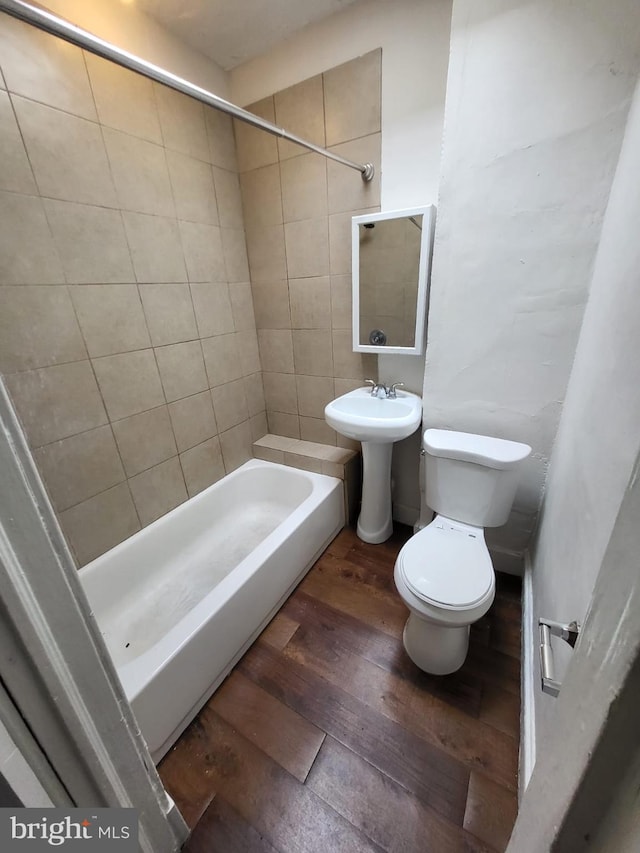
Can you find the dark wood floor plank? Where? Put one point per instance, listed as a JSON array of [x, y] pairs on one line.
[[491, 811], [290, 816], [184, 774], [335, 581], [501, 709], [222, 830], [286, 737], [463, 691], [421, 768], [382, 809], [279, 631], [465, 739]]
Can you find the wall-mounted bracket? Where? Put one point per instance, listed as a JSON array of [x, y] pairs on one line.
[[567, 631]]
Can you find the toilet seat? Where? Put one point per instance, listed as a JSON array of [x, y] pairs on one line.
[[447, 565]]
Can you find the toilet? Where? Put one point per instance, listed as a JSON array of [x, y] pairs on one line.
[[444, 573]]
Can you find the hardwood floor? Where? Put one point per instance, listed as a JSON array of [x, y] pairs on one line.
[[326, 738]]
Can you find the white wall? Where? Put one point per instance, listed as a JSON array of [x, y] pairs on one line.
[[599, 435], [536, 105], [122, 24], [414, 36], [19, 775]]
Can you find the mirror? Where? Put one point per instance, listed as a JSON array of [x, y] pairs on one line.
[[391, 255]]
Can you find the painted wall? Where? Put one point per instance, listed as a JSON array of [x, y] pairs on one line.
[[537, 100], [17, 773], [127, 335], [414, 37], [599, 435], [121, 23]]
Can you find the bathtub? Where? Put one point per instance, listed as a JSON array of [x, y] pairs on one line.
[[180, 602]]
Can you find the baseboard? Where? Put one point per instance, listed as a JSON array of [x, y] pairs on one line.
[[528, 685], [405, 514]]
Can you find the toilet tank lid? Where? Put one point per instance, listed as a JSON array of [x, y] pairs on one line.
[[468, 447]]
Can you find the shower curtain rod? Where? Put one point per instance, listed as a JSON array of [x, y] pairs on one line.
[[45, 20]]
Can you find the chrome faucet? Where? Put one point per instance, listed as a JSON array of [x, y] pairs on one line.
[[377, 387], [391, 392]]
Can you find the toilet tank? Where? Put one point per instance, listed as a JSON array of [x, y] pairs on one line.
[[472, 478]]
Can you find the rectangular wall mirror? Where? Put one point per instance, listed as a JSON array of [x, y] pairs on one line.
[[391, 255]]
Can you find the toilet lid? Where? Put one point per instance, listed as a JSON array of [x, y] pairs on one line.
[[448, 564]]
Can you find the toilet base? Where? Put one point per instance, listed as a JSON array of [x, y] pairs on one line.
[[437, 649]]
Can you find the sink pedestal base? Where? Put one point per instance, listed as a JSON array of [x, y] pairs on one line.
[[375, 524]]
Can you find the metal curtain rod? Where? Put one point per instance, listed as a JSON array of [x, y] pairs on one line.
[[50, 23]]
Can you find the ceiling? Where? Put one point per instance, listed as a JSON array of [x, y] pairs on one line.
[[233, 31]]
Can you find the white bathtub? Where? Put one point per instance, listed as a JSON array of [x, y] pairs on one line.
[[179, 602]]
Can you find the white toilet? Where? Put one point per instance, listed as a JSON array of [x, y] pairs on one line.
[[444, 573]]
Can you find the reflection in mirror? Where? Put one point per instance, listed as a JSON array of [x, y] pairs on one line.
[[390, 262]]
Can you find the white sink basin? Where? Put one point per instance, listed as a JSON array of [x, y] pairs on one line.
[[380, 419]]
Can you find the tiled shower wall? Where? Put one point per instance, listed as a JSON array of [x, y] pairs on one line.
[[127, 334], [297, 211]]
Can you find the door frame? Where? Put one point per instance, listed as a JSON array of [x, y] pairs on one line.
[[80, 736]]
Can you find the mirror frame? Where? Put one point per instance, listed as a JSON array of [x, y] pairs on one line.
[[424, 270]]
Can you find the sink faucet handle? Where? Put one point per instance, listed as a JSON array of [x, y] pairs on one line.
[[392, 389], [374, 385]]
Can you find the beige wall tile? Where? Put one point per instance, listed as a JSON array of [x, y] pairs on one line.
[[229, 199], [45, 68], [300, 109], [158, 490], [284, 424], [213, 309], [316, 429], [280, 442], [310, 303], [169, 312], [15, 171], [312, 352], [182, 122], [242, 306], [236, 446], [125, 100], [140, 173], [348, 364], [100, 523], [314, 392], [203, 254], [307, 244], [271, 305], [280, 392], [222, 143], [67, 154], [256, 148], [145, 440], [261, 197], [259, 426], [155, 246], [341, 301], [249, 352], [346, 189], [230, 404], [77, 468], [304, 187], [193, 420], [38, 327], [129, 383], [181, 370], [91, 242], [276, 350], [202, 465], [111, 318], [305, 463], [235, 254], [28, 254], [254, 391], [343, 386], [222, 359], [267, 256], [193, 189], [268, 454], [57, 402], [352, 98]]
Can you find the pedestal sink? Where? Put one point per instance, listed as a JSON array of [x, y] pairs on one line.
[[376, 421]]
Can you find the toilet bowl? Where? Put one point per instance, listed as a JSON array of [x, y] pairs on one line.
[[444, 573]]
